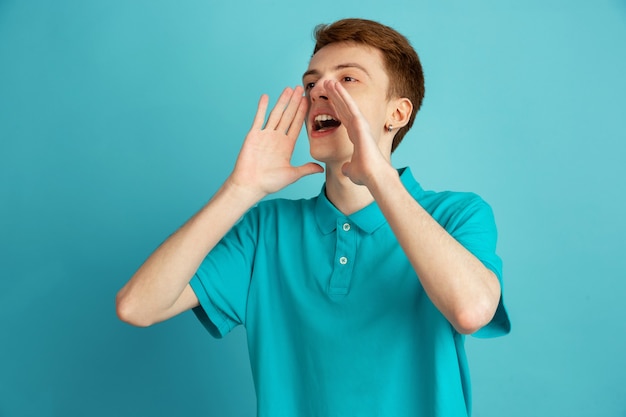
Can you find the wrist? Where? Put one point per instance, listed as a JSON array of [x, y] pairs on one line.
[[242, 193], [382, 178]]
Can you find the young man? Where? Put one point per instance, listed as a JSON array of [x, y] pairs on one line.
[[355, 302]]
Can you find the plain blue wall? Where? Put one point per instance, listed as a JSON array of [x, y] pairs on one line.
[[119, 119]]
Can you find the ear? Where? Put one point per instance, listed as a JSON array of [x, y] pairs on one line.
[[400, 109]]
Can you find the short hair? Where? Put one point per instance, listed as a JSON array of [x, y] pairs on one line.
[[406, 78]]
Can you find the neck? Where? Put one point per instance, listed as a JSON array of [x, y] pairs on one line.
[[345, 195]]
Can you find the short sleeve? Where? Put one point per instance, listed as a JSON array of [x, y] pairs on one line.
[[475, 229], [222, 281]]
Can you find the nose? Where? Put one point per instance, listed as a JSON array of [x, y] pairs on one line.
[[318, 92]]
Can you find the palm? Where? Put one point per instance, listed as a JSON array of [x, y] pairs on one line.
[[366, 155], [264, 162]]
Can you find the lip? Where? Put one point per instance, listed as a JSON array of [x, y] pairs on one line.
[[311, 122]]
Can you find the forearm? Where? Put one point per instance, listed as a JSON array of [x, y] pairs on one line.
[[160, 288], [158, 284], [461, 287]]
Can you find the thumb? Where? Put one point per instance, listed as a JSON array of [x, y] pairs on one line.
[[308, 169], [345, 169]]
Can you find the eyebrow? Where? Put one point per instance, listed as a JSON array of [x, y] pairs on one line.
[[337, 68]]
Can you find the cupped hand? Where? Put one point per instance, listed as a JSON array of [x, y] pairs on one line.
[[367, 157], [264, 162]]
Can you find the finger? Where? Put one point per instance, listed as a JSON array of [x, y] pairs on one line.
[[291, 110], [296, 125], [279, 108], [339, 102], [259, 118], [343, 101], [347, 110]]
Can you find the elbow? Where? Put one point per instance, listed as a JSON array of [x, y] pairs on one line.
[[128, 312], [469, 323], [472, 319], [477, 311]]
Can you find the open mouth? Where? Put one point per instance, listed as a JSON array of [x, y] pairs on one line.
[[323, 122]]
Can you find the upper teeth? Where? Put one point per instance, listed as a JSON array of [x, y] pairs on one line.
[[323, 117]]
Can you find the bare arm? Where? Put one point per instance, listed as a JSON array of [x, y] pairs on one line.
[[160, 288], [463, 289]]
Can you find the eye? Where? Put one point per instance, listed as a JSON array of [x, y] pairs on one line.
[[349, 79], [308, 86]]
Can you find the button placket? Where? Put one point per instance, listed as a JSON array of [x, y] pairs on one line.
[[344, 254]]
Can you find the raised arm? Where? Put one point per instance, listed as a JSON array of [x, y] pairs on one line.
[[160, 287], [463, 289]]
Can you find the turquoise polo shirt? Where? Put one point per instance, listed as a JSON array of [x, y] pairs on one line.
[[337, 321]]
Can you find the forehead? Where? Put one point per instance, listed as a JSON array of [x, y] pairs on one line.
[[337, 54]]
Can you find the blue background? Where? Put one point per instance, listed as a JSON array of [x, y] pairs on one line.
[[119, 119]]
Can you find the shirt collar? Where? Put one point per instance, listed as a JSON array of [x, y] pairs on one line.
[[369, 218]]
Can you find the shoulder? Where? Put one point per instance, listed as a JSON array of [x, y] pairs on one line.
[[281, 209], [452, 208], [285, 205], [450, 200], [440, 203], [270, 218]]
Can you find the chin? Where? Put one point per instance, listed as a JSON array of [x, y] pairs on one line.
[[330, 148], [329, 156], [318, 155]]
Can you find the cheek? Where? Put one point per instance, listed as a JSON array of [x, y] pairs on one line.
[[376, 117]]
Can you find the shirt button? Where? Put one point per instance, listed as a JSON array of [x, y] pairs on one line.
[[346, 227], [343, 260]]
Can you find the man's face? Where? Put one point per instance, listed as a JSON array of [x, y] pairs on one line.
[[360, 70]]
